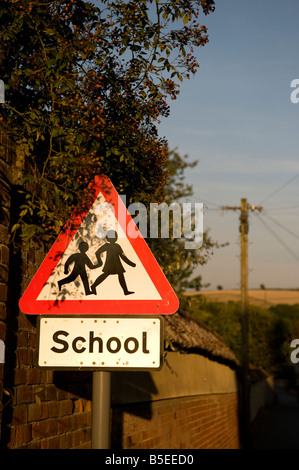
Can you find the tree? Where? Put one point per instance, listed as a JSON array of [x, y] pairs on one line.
[[85, 87], [177, 261], [197, 284]]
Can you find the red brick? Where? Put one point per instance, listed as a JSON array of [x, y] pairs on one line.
[[3, 273], [20, 376], [200, 422], [38, 411], [24, 394], [66, 407], [39, 430], [25, 356], [34, 376], [22, 435], [80, 436], [78, 406], [3, 292], [52, 427], [4, 254], [2, 331], [19, 415], [53, 408], [27, 339], [3, 311], [51, 392]]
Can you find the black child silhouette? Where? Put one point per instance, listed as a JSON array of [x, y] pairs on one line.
[[113, 265], [80, 261]]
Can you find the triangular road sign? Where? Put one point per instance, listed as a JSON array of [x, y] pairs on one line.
[[97, 266]]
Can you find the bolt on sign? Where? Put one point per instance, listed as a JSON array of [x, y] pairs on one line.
[[108, 343], [97, 266]]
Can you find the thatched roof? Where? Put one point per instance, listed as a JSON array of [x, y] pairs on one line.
[[188, 334]]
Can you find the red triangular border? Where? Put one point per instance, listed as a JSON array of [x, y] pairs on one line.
[[31, 306]]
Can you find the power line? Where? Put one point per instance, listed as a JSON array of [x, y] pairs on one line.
[[278, 238], [280, 188], [219, 206], [260, 209], [283, 227], [205, 201], [272, 209]]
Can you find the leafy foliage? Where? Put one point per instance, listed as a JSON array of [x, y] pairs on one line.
[[85, 87], [270, 331], [177, 260]]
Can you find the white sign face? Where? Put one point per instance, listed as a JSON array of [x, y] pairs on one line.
[[101, 219], [106, 343]]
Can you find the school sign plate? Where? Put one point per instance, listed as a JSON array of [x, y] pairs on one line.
[[100, 343]]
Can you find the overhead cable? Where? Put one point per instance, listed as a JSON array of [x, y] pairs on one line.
[[280, 188], [278, 238]]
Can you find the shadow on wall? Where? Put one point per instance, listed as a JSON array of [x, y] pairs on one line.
[[131, 394], [76, 383]]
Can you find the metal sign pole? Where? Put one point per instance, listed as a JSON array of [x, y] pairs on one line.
[[101, 393]]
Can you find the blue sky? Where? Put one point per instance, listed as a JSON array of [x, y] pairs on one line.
[[237, 119]]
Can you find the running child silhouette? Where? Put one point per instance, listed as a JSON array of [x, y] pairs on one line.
[[113, 265], [80, 261]]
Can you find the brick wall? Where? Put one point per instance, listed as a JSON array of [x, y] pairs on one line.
[[41, 409], [38, 409], [203, 422], [6, 161]]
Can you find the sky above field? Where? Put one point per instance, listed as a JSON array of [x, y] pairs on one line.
[[237, 119]]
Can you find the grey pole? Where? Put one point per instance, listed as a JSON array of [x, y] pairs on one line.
[[101, 390]]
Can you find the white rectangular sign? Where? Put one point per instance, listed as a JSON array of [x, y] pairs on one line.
[[105, 343]]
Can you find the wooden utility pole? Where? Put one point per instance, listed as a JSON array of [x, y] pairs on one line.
[[244, 208], [244, 320]]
